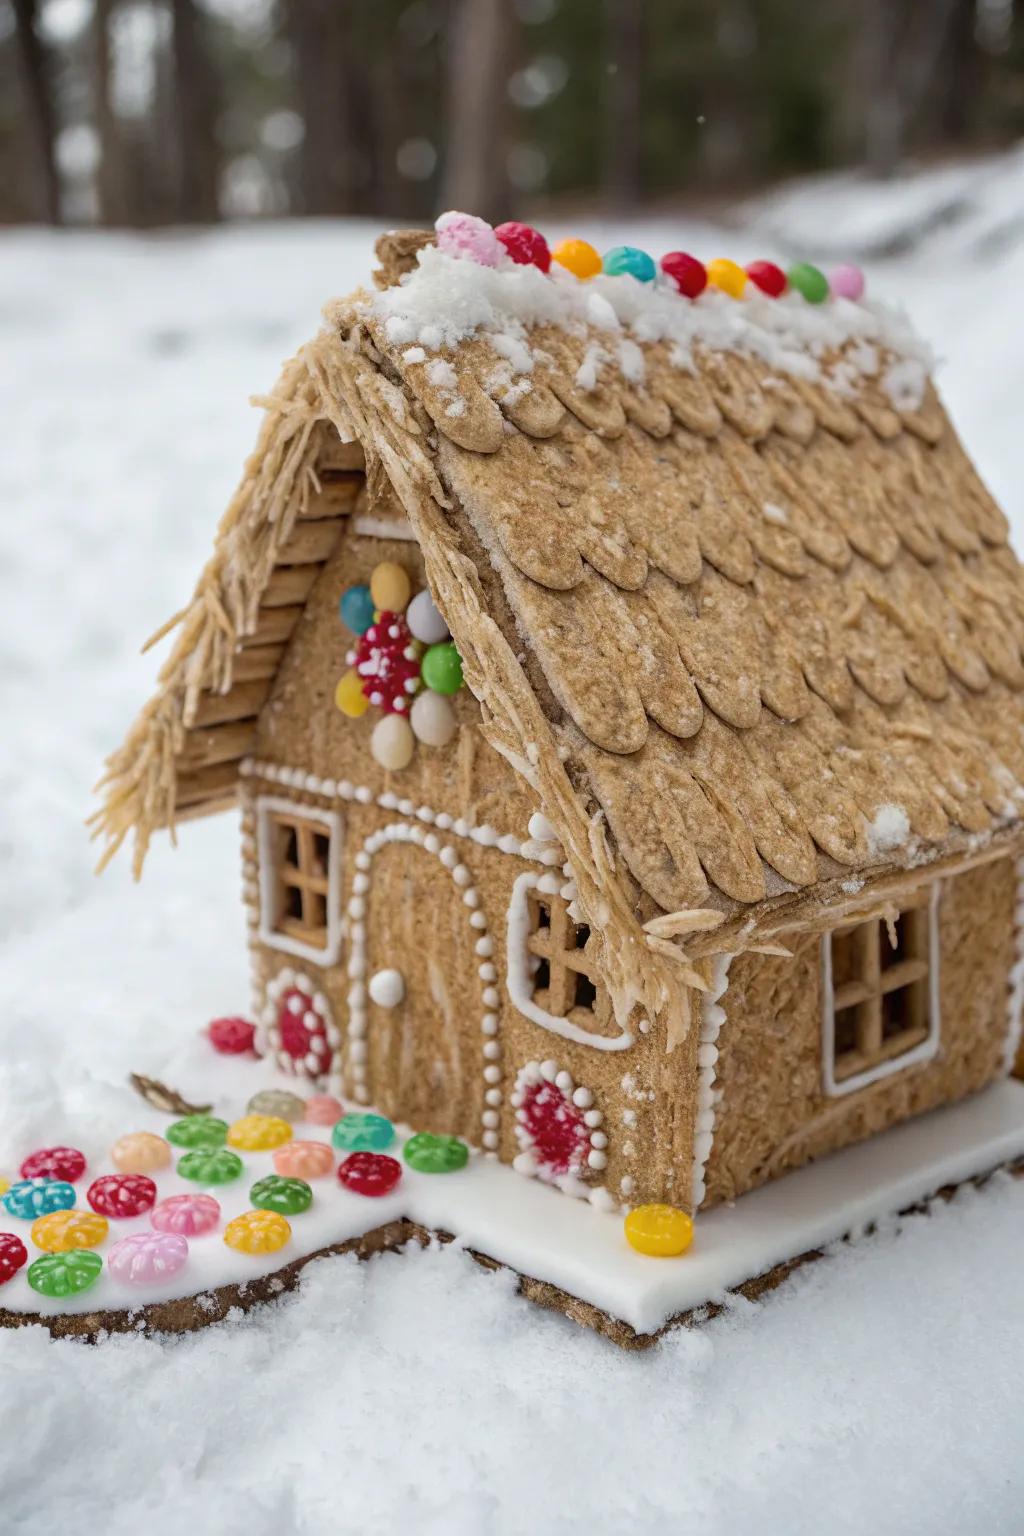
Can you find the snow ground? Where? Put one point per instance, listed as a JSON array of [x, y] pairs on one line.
[[877, 1390]]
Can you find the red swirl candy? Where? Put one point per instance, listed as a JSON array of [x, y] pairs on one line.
[[65, 1163], [122, 1194], [370, 1173], [13, 1254], [231, 1037]]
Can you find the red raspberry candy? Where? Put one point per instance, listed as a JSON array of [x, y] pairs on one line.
[[525, 245], [65, 1163], [689, 275], [231, 1037], [122, 1194], [768, 277], [387, 660], [370, 1173], [13, 1255]]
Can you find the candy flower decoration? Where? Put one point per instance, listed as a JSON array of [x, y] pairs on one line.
[[370, 1173], [356, 609], [289, 1197], [210, 1165], [231, 1037], [139, 1152], [304, 1160], [146, 1258], [278, 1102], [526, 246], [65, 1274], [257, 1232], [363, 1133], [30, 1198], [186, 1215], [198, 1131], [324, 1109], [63, 1230], [435, 1154], [122, 1195], [660, 1231], [259, 1133], [65, 1163], [13, 1254]]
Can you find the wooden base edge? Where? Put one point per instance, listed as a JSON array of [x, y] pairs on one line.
[[188, 1313]]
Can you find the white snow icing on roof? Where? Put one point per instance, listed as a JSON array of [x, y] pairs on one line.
[[447, 300]]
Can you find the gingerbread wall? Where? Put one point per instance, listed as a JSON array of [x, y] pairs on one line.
[[773, 1115], [429, 859]]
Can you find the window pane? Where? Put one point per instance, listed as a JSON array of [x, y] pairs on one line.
[[845, 952], [586, 992], [845, 1031]]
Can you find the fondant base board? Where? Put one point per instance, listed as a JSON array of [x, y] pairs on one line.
[[571, 1255]]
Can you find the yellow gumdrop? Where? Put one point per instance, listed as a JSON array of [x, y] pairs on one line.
[[349, 696], [662, 1231], [390, 587], [726, 275], [63, 1230], [259, 1133], [577, 257], [257, 1232], [5, 1185]]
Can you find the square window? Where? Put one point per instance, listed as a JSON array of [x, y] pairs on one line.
[[300, 876]]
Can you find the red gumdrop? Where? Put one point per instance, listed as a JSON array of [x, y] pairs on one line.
[[13, 1255], [65, 1163], [370, 1173], [121, 1194], [231, 1037], [386, 660], [768, 277], [525, 245], [689, 275], [556, 1128]]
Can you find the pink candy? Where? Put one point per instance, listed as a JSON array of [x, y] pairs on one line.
[[187, 1215], [304, 1160], [463, 234], [146, 1258], [324, 1109], [846, 282]]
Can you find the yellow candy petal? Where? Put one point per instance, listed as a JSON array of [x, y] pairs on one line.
[[662, 1231], [726, 275], [257, 1232], [259, 1133], [577, 257], [349, 696], [63, 1230], [390, 587]]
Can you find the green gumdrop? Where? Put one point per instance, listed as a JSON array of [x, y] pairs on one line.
[[288, 1197], [65, 1274], [435, 1154], [210, 1165], [441, 668], [809, 281], [198, 1131]]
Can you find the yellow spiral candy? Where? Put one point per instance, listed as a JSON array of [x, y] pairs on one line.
[[259, 1133], [63, 1230], [257, 1232]]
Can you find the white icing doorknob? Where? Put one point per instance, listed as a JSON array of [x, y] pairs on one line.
[[387, 988]]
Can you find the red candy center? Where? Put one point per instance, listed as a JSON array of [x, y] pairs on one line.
[[54, 1163], [556, 1128], [13, 1254], [369, 1173], [387, 660], [231, 1037], [121, 1194]]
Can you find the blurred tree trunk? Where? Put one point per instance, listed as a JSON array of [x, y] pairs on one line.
[[625, 62], [34, 60], [195, 120], [333, 87], [902, 44], [110, 175], [475, 178]]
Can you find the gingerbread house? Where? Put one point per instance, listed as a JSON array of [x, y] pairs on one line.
[[622, 695]]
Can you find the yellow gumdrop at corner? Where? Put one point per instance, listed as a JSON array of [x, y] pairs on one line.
[[349, 696], [390, 587], [663, 1231], [257, 1232], [727, 276], [259, 1133], [62, 1231]]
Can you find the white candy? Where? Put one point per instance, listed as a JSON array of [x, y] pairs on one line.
[[424, 621], [387, 988], [433, 719], [392, 742]]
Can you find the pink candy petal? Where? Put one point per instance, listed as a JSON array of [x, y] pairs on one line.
[[146, 1258], [324, 1109], [187, 1215]]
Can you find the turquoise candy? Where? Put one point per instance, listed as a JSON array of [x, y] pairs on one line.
[[363, 1133], [198, 1131], [441, 668], [356, 609], [809, 281], [210, 1165], [435, 1154], [626, 260], [30, 1198], [65, 1274], [288, 1197]]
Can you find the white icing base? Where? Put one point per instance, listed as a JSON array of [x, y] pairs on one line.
[[537, 1231]]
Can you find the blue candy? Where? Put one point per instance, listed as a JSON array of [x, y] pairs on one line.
[[627, 260], [30, 1198], [356, 609], [363, 1133]]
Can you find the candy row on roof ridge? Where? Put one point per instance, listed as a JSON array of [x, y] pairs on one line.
[[471, 238]]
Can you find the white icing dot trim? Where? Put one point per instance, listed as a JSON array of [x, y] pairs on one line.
[[526, 1163], [712, 1017], [360, 991], [519, 980], [324, 1043], [1015, 1000]]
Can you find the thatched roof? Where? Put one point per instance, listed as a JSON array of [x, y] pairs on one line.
[[773, 627]]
